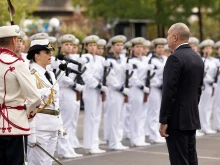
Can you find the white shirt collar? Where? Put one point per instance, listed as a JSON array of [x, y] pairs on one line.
[[181, 45]]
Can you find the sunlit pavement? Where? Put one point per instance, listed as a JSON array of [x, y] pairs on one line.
[[208, 149]]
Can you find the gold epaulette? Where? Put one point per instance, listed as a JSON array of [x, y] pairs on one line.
[[33, 71]]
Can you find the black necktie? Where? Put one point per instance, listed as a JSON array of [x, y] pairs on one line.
[[48, 77]]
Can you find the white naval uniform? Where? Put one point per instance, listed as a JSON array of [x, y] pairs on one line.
[[76, 143], [69, 109], [145, 61], [136, 101], [206, 100], [116, 101], [45, 126], [17, 79], [216, 106], [26, 61], [92, 101], [154, 99]]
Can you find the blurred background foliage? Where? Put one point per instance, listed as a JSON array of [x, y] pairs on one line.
[[101, 16]]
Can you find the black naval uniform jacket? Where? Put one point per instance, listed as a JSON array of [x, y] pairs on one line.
[[182, 86]]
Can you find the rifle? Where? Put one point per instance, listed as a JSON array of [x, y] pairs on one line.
[[127, 75], [205, 57], [105, 74], [215, 79], [147, 83], [54, 70], [79, 78]]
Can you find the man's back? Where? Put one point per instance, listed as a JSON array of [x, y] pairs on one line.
[[16, 85], [183, 77]]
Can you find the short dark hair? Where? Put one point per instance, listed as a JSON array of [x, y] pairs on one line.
[[5, 41]]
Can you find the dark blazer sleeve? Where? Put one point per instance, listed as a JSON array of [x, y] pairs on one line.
[[171, 77]]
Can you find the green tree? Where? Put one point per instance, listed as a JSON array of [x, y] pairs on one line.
[[23, 9], [165, 12]]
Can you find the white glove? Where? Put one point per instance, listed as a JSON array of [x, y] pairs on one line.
[[45, 92], [67, 80], [104, 89], [55, 65], [82, 60], [107, 63], [32, 138], [218, 64], [150, 67], [79, 87], [129, 66], [125, 91], [146, 90]]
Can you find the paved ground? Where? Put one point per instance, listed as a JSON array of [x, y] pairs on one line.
[[208, 148]]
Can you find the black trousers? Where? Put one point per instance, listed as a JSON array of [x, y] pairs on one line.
[[11, 150], [182, 147]]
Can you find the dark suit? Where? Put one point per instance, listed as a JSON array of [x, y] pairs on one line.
[[182, 82]]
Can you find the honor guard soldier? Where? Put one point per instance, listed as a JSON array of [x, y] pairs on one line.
[[126, 131], [16, 85], [69, 105], [205, 104], [45, 126], [52, 41], [74, 55], [146, 49], [38, 36], [194, 43], [145, 58], [158, 60], [167, 50], [75, 46], [92, 96], [20, 48], [108, 46], [216, 85], [116, 94], [100, 47], [136, 94], [217, 47]]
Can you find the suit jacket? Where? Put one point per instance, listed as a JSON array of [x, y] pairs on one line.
[[182, 83]]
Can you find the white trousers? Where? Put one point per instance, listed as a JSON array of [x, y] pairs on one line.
[[116, 117], [69, 109], [47, 140], [146, 120], [216, 108], [137, 116], [205, 108], [127, 131], [154, 101], [106, 118], [92, 117]]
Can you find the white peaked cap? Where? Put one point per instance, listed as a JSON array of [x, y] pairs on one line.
[[9, 31]]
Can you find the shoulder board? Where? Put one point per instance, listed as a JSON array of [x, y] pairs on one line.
[[33, 71]]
